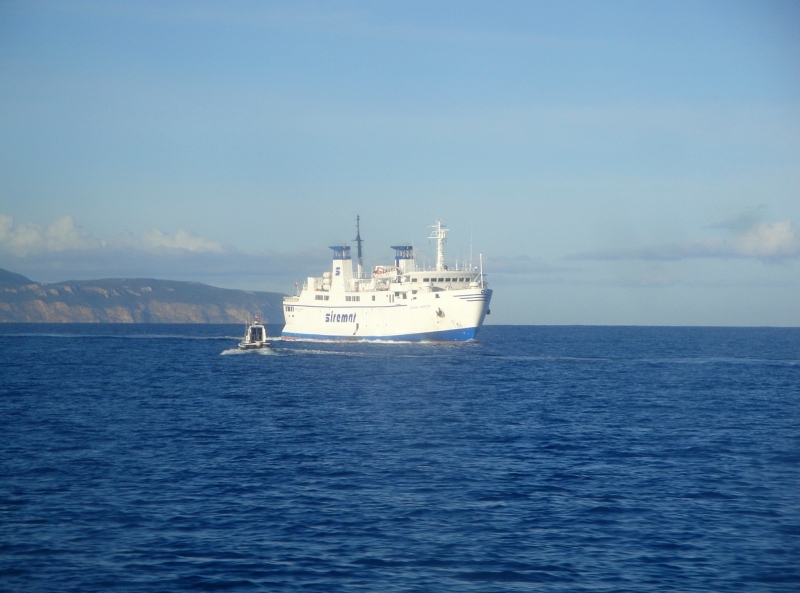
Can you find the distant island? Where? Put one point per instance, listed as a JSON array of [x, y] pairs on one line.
[[131, 300]]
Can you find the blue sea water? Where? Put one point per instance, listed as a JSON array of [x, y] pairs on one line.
[[158, 458]]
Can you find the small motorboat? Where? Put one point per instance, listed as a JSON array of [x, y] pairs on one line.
[[255, 336]]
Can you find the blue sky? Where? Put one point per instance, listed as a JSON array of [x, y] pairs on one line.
[[617, 163]]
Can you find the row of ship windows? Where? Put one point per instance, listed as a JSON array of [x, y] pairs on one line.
[[319, 297], [325, 297]]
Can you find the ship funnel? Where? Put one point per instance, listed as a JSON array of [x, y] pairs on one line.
[[404, 258], [341, 269]]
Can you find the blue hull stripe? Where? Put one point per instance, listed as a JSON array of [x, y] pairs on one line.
[[450, 335]]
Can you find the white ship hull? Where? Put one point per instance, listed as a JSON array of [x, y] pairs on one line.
[[399, 302], [449, 315]]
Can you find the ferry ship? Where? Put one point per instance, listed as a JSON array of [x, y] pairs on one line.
[[399, 302]]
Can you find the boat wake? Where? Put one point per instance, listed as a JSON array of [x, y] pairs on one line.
[[120, 336], [261, 351]]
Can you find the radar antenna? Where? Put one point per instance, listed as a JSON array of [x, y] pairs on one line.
[[358, 241]]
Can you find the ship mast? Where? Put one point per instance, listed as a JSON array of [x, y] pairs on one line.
[[439, 233], [358, 241]]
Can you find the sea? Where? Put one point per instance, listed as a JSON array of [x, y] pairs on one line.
[[536, 458]]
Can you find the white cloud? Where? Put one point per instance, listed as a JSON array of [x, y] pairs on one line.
[[24, 239], [156, 239], [762, 240], [65, 251], [768, 240], [60, 235]]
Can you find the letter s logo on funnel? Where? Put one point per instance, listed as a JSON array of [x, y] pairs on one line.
[[337, 271]]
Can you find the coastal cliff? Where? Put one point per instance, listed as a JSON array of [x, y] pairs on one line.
[[131, 300]]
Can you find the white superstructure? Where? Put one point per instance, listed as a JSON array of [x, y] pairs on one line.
[[397, 302]]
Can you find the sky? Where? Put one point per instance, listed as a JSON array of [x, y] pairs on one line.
[[632, 163]]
